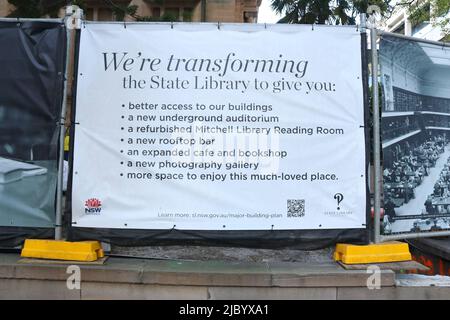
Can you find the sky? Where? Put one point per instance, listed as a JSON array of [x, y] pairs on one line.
[[266, 14]]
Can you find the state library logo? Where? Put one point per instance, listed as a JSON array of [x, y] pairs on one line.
[[92, 206]]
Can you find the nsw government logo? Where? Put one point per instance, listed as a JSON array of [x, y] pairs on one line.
[[92, 206]]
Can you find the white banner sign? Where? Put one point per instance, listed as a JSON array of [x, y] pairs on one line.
[[233, 128]]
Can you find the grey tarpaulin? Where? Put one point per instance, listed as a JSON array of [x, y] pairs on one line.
[[32, 63]]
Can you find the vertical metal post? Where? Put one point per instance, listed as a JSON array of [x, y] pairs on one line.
[[376, 131], [362, 23], [60, 181], [203, 11]]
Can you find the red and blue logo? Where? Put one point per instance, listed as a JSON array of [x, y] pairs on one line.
[[92, 206]]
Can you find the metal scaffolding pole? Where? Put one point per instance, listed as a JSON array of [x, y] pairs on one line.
[[376, 131], [72, 12]]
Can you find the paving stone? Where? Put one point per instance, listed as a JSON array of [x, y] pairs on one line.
[[22, 289], [106, 291], [238, 293], [332, 279], [395, 293]]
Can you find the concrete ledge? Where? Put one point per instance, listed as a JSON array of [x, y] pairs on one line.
[[125, 278], [19, 289], [196, 273]]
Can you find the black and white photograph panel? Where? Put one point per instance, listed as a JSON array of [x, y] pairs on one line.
[[415, 126]]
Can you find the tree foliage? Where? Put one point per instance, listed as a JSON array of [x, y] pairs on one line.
[[324, 11], [36, 8], [121, 11], [436, 12], [42, 8], [343, 12]]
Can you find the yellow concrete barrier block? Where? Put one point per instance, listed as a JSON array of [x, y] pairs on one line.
[[62, 250], [393, 251]]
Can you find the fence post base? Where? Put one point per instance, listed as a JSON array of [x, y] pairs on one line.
[[372, 253], [62, 250]]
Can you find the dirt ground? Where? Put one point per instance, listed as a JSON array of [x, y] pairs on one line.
[[199, 253]]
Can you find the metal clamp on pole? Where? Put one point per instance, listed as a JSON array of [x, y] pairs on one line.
[[73, 18], [362, 23]]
